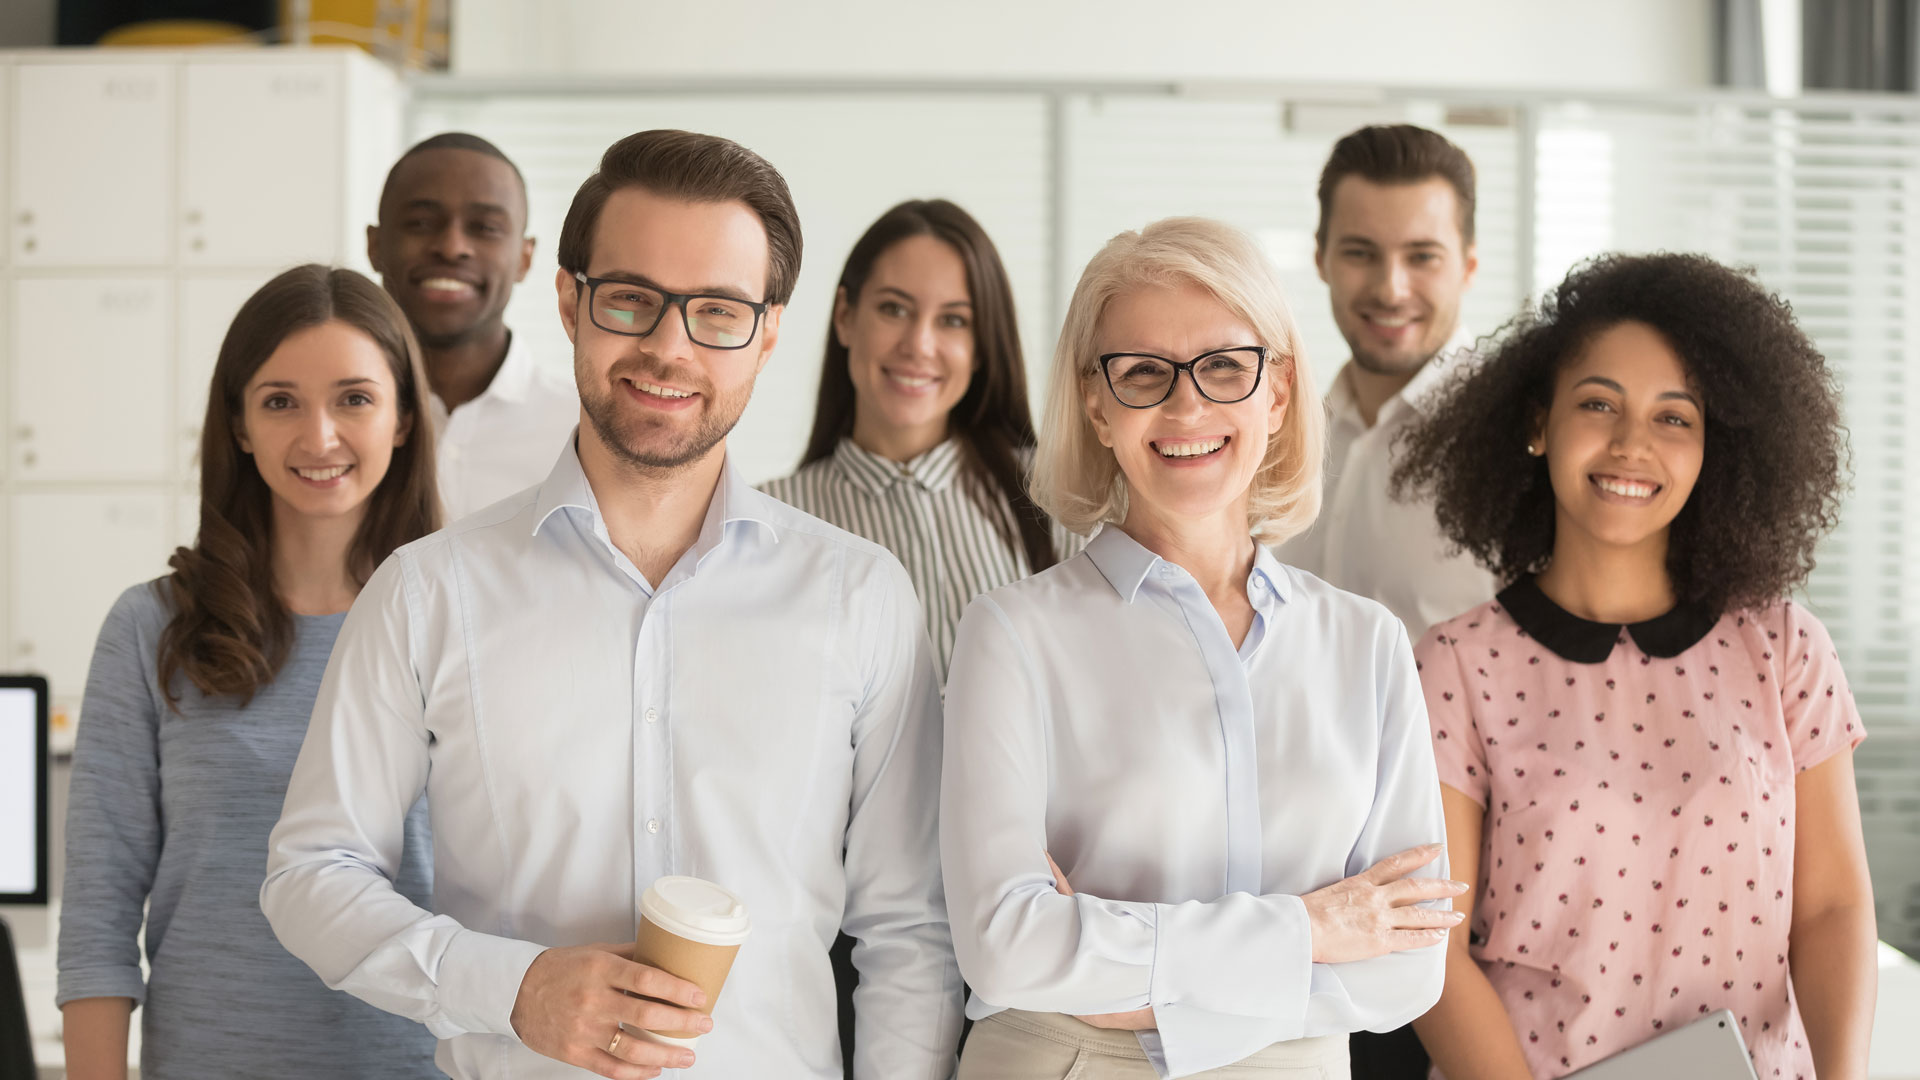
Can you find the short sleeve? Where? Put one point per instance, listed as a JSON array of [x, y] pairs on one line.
[[1458, 750], [1822, 719]]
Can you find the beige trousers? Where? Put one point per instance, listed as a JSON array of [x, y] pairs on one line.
[[1015, 1045]]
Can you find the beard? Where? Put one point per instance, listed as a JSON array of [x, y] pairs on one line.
[[653, 442]]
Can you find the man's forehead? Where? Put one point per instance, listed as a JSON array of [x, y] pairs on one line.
[[681, 244], [1404, 212]]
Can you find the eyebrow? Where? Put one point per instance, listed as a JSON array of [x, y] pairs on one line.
[[1424, 242], [910, 298], [425, 203], [282, 384], [1602, 380], [628, 277]]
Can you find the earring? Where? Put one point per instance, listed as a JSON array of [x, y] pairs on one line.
[[1534, 450]]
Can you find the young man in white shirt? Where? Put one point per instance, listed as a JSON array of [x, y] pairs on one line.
[[1395, 247], [641, 667], [450, 246]]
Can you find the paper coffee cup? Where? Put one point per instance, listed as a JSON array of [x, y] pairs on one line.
[[692, 929]]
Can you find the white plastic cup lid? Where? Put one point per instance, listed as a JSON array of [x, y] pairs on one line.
[[697, 910]]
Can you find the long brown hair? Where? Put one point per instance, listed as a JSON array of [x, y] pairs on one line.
[[230, 632], [992, 420]]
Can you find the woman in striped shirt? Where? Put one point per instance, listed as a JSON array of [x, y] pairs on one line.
[[921, 435]]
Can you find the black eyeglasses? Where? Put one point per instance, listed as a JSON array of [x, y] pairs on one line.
[[1223, 376], [633, 310]]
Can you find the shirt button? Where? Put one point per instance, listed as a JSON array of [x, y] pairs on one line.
[[653, 824], [652, 715], [1260, 584]]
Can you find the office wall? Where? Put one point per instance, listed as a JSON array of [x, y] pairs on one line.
[[1620, 44]]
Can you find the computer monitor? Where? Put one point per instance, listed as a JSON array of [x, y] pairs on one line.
[[23, 789]]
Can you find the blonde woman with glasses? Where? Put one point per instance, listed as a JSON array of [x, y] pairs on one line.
[[1189, 812]]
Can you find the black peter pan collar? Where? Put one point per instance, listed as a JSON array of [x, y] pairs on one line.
[[1582, 641]]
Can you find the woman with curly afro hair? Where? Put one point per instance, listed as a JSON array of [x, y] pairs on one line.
[[1645, 748]]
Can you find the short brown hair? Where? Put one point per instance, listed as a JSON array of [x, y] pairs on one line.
[[1397, 154], [698, 168]]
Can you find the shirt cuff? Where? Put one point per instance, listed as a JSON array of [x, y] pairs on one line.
[[105, 981], [478, 982], [1216, 967]]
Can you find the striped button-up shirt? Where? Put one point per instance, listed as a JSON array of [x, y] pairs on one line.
[[924, 513]]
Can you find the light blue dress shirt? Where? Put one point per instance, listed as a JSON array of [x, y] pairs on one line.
[[580, 731], [1191, 791]]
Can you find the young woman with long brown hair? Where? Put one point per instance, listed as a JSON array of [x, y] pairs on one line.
[[315, 464], [921, 434]]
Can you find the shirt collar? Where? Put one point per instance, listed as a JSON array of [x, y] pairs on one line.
[[874, 474], [515, 376], [1583, 641], [1126, 564], [566, 488]]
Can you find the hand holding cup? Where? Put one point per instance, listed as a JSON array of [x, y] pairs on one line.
[[573, 1001]]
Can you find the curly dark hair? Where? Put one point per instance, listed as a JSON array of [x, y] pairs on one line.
[[1771, 476]]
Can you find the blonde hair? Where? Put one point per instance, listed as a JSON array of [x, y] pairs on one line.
[[1077, 479]]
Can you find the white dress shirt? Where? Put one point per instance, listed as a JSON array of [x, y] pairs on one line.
[[1367, 542], [502, 442], [580, 731], [1192, 792]]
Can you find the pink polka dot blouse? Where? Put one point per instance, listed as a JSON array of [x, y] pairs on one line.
[[1636, 866]]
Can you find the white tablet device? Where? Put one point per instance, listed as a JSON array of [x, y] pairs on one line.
[[1710, 1048]]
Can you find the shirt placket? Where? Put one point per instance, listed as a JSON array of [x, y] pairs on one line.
[[1233, 702], [654, 824]]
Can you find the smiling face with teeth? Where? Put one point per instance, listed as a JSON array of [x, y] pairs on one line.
[[662, 401], [1624, 440], [321, 419], [1396, 266], [451, 243], [1188, 460], [910, 345]]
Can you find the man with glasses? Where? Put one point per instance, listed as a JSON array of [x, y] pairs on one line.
[[450, 246], [640, 668]]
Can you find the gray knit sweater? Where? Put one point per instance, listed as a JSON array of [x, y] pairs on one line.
[[168, 817]]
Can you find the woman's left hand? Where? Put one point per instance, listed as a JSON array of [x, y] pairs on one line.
[[1138, 1019]]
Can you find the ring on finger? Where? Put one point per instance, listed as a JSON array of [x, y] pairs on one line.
[[618, 1034]]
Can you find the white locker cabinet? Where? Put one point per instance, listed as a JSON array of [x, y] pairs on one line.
[[72, 555], [260, 165], [6, 159], [92, 163], [89, 359], [207, 306]]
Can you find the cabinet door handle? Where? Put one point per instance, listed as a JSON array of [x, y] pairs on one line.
[[29, 244], [26, 431], [24, 647], [193, 217], [26, 217]]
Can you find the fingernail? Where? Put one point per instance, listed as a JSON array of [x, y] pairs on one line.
[[686, 1060], [706, 1023], [699, 998], [1459, 886], [1457, 915]]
